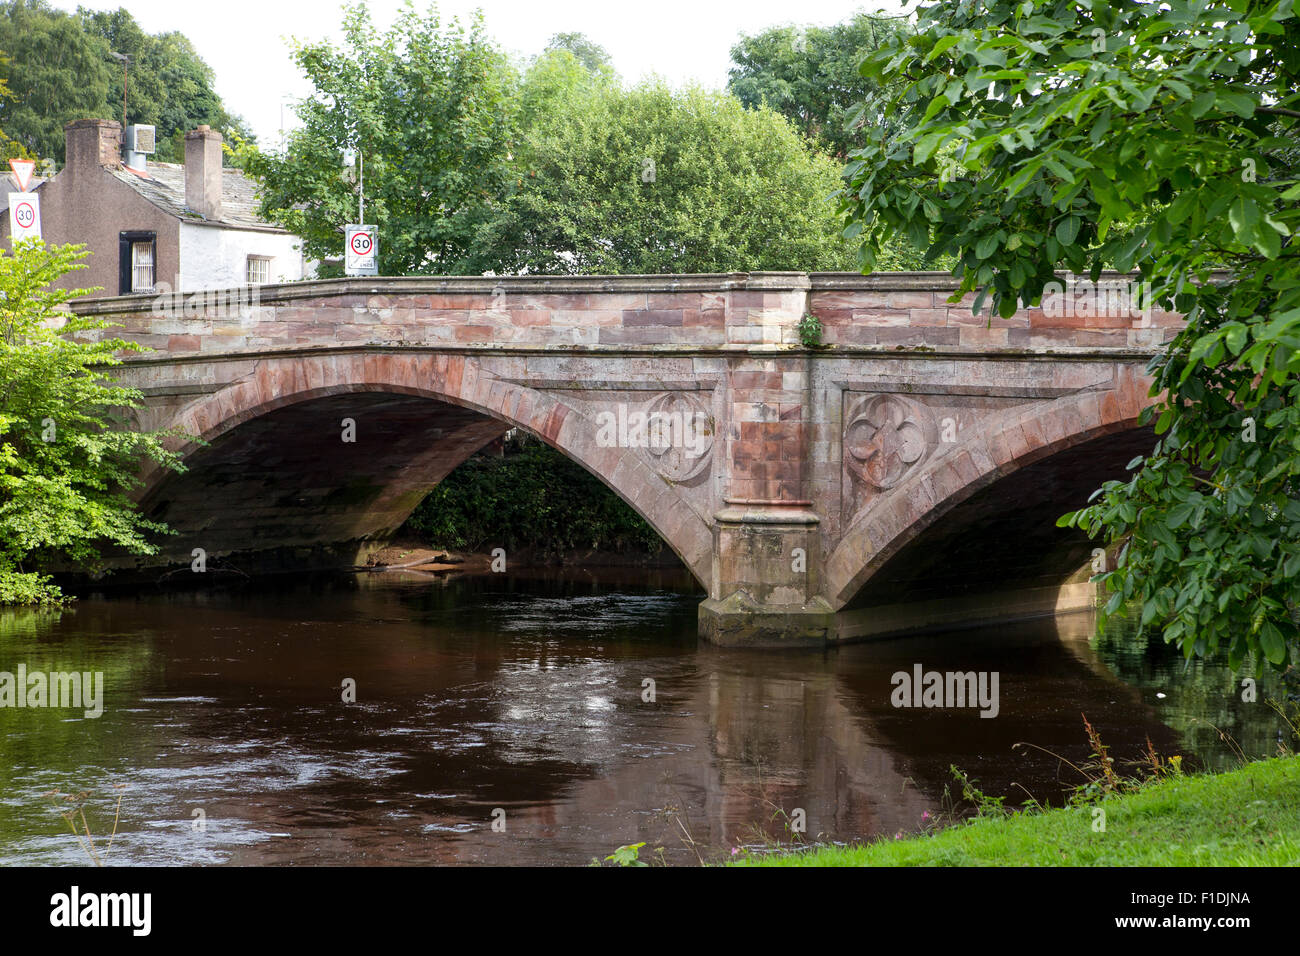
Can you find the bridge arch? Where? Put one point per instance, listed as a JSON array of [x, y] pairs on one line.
[[485, 405], [1093, 432]]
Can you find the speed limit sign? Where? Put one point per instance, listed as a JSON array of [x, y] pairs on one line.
[[361, 251], [24, 216]]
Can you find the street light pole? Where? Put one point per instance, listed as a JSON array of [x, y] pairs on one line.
[[126, 62], [354, 158]]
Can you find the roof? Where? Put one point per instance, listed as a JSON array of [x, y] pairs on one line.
[[163, 184], [32, 186]]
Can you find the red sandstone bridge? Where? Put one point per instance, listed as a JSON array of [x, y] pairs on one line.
[[908, 474]]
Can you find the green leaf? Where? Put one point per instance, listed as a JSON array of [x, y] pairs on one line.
[[1179, 514], [1068, 229], [1266, 240], [1244, 217], [944, 45], [1235, 337], [1202, 104], [1272, 643], [1240, 103]]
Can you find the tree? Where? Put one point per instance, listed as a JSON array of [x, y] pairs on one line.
[[430, 111], [59, 69], [530, 497], [57, 73], [565, 171], [810, 76], [10, 148], [169, 85], [652, 180], [68, 457], [1135, 136], [589, 53]]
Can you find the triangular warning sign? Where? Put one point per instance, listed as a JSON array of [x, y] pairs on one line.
[[23, 169]]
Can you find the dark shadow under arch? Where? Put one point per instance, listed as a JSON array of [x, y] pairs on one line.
[[1004, 537], [281, 490]]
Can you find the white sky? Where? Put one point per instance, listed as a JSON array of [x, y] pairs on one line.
[[244, 41]]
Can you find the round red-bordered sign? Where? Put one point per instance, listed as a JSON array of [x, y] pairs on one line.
[[362, 244], [25, 215]]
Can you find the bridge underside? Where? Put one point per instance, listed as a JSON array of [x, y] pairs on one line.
[[290, 477], [998, 555], [330, 478]]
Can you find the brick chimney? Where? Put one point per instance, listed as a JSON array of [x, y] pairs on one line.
[[203, 172], [92, 143]]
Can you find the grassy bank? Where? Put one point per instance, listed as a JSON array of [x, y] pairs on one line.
[[1247, 817]]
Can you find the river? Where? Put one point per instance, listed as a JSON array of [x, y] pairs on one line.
[[545, 721]]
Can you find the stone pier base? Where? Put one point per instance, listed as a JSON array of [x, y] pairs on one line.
[[737, 621], [766, 566], [740, 621]]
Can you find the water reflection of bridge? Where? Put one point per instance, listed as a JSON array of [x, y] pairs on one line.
[[530, 700]]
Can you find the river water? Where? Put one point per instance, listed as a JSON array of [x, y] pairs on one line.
[[544, 721]]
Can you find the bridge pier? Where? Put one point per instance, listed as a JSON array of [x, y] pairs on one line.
[[766, 582], [766, 579]]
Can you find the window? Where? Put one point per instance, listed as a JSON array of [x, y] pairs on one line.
[[259, 270], [137, 262], [142, 267]]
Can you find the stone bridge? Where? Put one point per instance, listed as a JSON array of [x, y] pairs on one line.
[[906, 474]]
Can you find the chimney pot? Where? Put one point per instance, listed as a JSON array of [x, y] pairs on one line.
[[203, 172]]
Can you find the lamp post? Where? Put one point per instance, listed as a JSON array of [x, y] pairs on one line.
[[355, 157], [126, 61]]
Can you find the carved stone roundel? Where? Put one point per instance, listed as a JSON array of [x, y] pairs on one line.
[[681, 436], [884, 441]]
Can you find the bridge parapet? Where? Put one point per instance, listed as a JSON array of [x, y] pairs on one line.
[[562, 313], [740, 310], [913, 309]]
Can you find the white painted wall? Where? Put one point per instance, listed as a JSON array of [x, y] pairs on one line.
[[217, 258]]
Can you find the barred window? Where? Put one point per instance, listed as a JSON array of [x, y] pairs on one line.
[[142, 266], [259, 270], [137, 262]]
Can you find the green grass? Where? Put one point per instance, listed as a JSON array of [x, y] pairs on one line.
[[1247, 817]]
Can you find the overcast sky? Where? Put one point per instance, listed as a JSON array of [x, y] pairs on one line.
[[244, 41]]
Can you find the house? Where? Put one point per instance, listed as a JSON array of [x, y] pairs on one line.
[[159, 227]]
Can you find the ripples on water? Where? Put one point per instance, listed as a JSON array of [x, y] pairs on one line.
[[526, 696]]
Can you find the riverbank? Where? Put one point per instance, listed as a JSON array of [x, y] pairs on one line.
[[1246, 817], [410, 553]]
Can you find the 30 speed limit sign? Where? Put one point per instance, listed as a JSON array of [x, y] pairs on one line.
[[24, 216], [361, 251]]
